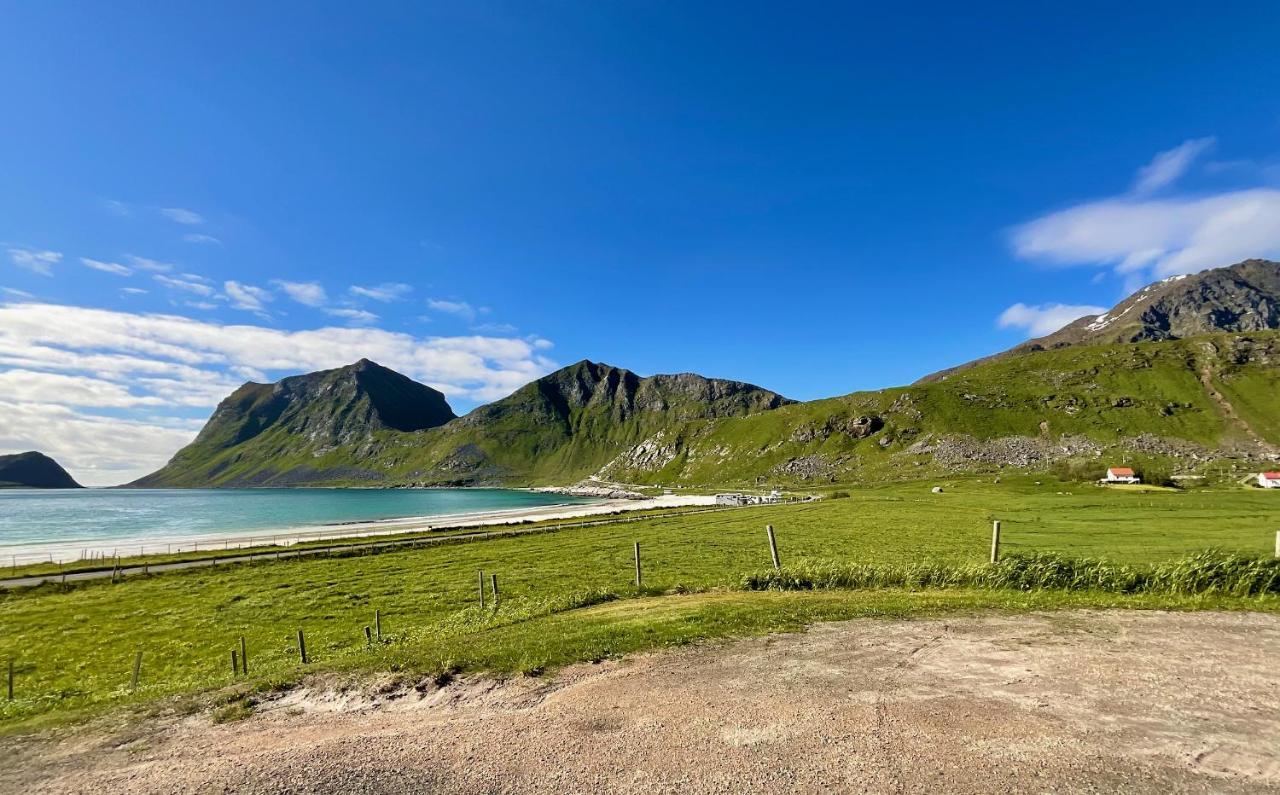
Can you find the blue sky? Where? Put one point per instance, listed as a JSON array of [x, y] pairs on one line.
[[815, 198]]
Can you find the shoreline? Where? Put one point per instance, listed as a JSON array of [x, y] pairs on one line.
[[71, 550]]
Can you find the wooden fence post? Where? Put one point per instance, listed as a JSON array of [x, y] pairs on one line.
[[235, 664], [995, 541], [302, 646], [638, 575], [244, 657], [493, 582], [368, 635], [480, 576], [773, 547], [137, 669]]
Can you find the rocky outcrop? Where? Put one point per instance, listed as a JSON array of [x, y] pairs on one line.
[[34, 470]]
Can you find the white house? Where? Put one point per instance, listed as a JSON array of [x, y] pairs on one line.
[[1269, 480], [1121, 475]]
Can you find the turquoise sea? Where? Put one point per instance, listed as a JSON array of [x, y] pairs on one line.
[[37, 523]]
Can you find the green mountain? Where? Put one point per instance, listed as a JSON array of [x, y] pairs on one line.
[[366, 423], [1181, 374], [322, 426], [34, 470]]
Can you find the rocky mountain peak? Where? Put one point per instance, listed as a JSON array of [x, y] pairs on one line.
[[1238, 298]]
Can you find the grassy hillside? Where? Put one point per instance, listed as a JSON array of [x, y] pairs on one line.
[[187, 623], [1143, 403]]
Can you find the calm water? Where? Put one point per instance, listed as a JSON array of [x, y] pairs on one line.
[[35, 523]]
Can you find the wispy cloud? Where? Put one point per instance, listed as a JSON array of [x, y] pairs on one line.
[[358, 317], [198, 238], [246, 296], [1143, 236], [1168, 166], [180, 216], [146, 264], [187, 283], [114, 268], [133, 291], [13, 292], [1042, 319], [305, 293], [386, 292], [457, 308], [34, 260], [117, 207]]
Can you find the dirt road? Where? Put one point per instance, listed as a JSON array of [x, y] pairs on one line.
[[1056, 702]]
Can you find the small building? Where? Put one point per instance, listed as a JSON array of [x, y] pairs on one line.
[[1269, 480], [1121, 475], [731, 499]]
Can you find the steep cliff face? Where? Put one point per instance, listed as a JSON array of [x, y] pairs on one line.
[[33, 470], [273, 433]]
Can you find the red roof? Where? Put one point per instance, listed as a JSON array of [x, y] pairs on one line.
[[1120, 471], [1271, 475]]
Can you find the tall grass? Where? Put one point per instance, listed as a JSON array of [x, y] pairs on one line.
[[1207, 572]]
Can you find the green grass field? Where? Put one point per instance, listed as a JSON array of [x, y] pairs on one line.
[[568, 595]]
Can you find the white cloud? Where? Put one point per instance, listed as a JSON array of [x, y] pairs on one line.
[[186, 282], [459, 308], [1166, 167], [69, 390], [1042, 319], [133, 291], [40, 262], [1167, 236], [383, 292], [145, 264], [475, 363], [198, 238], [98, 450], [113, 268], [246, 296], [181, 216], [358, 317], [306, 293], [13, 292]]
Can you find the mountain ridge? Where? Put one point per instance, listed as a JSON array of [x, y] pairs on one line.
[[1182, 372]]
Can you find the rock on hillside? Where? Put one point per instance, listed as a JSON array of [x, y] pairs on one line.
[[33, 470], [1242, 297]]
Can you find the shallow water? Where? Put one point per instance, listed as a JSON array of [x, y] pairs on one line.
[[36, 523]]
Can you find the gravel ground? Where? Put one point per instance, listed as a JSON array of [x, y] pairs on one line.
[[1051, 702]]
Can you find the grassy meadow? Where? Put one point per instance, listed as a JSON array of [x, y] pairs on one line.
[[568, 595]]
